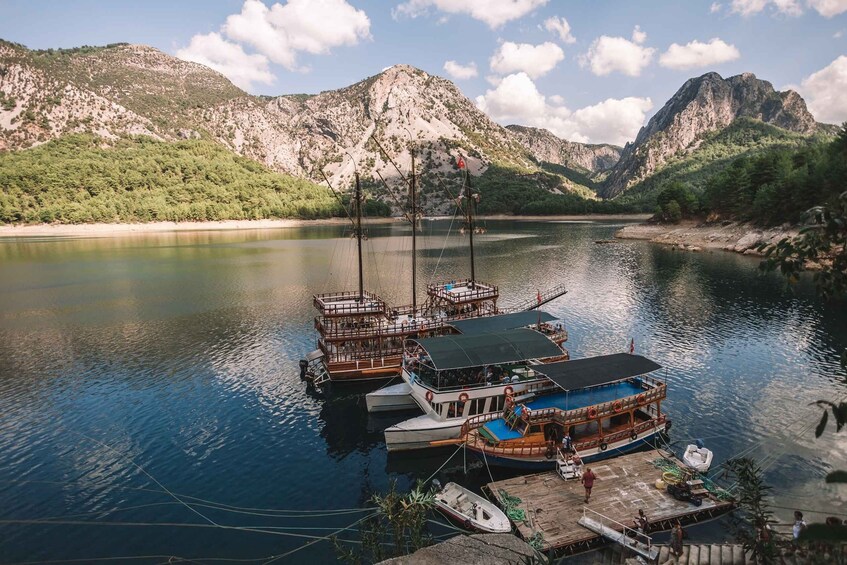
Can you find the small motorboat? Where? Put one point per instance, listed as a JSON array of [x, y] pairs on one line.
[[471, 510], [697, 457]]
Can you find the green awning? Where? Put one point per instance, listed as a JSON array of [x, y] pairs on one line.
[[501, 322], [594, 371], [460, 351]]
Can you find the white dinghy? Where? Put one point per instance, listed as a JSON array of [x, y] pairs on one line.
[[697, 457], [471, 510]]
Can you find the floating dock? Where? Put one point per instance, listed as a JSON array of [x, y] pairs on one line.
[[624, 485]]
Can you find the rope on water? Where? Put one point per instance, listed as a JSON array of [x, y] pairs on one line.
[[511, 506], [444, 464]]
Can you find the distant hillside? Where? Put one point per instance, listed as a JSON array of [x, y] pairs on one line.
[[126, 89], [80, 178], [715, 151], [702, 106], [588, 159]]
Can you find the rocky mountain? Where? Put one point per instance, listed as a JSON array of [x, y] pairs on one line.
[[125, 89], [705, 104], [546, 147]]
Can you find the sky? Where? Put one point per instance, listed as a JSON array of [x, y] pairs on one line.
[[589, 71]]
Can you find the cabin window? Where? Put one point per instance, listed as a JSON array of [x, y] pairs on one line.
[[535, 429]]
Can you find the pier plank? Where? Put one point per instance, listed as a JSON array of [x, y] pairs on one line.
[[624, 484]]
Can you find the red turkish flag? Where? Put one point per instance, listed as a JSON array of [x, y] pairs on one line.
[[461, 163]]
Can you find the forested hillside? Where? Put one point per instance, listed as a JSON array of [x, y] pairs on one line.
[[82, 178]]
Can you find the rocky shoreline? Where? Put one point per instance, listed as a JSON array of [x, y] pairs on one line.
[[698, 236]]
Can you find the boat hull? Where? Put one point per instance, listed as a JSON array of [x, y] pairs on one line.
[[420, 432], [391, 398], [541, 463]]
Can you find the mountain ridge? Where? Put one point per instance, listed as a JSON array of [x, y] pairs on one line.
[[124, 90], [705, 104]]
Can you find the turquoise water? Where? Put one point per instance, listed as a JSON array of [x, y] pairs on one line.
[[135, 367]]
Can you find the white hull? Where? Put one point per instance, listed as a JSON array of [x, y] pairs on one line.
[[417, 433], [698, 459], [471, 510], [391, 398]]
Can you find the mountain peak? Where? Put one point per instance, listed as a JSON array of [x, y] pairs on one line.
[[704, 104]]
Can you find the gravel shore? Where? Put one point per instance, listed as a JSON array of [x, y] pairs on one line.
[[694, 236]]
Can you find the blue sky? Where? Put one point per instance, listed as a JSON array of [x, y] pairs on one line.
[[597, 83]]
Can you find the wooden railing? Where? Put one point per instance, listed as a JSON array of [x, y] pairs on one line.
[[656, 392], [379, 329], [480, 291], [349, 303]]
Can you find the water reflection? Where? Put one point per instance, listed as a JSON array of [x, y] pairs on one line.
[[179, 352]]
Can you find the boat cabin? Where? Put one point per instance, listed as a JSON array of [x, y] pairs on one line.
[[611, 400]]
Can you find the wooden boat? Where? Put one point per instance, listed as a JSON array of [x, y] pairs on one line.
[[607, 405], [471, 510], [361, 337], [698, 458]]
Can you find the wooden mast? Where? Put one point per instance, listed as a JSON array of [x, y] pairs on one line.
[[359, 234], [469, 196], [414, 206]]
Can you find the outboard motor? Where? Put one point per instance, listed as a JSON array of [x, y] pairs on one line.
[[699, 443], [303, 366]]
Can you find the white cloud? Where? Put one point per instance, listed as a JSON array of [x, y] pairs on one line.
[[517, 100], [715, 8], [229, 59], [283, 30], [459, 71], [824, 92], [609, 54], [826, 8], [838, 34], [695, 54], [493, 12], [534, 60], [829, 8], [561, 27]]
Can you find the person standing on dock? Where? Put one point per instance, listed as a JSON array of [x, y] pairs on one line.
[[676, 539], [588, 482]]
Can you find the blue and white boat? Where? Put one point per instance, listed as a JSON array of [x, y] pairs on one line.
[[605, 406]]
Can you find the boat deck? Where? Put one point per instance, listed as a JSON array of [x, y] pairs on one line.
[[624, 485]]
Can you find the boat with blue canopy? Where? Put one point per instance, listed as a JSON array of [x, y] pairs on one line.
[[605, 405]]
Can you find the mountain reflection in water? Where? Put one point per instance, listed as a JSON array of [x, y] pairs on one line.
[[176, 355]]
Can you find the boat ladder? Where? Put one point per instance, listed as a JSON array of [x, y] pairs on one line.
[[630, 538], [568, 465]]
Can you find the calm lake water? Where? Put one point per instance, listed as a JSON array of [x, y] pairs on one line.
[[140, 364]]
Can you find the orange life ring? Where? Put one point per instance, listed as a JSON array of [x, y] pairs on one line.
[[429, 396], [617, 406], [592, 412], [508, 390], [640, 399], [525, 414], [463, 397]]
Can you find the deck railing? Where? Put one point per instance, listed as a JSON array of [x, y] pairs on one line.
[[332, 331], [585, 414], [480, 291], [625, 530], [349, 303]]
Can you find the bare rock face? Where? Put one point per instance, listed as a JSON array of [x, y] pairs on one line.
[[583, 157], [704, 104]]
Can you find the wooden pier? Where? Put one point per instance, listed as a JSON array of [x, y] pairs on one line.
[[624, 485]]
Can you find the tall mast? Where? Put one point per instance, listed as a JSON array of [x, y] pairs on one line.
[[359, 234], [414, 206], [469, 196]]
